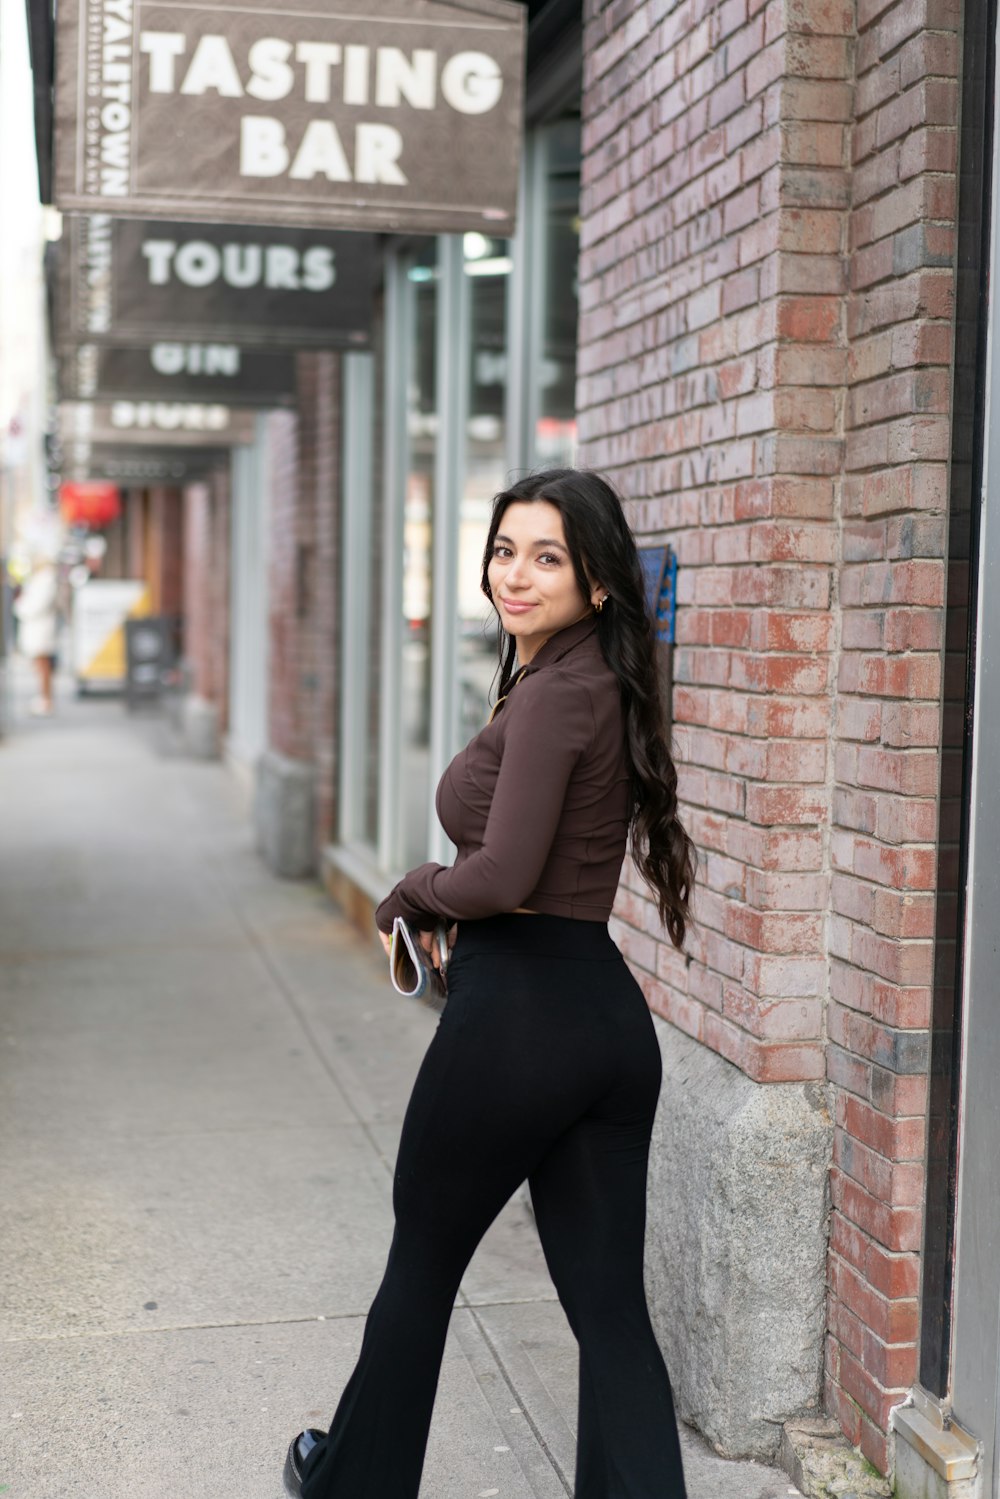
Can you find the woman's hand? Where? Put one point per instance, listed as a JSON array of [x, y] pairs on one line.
[[386, 939], [429, 943]]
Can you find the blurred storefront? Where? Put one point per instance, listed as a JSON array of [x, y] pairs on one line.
[[471, 382]]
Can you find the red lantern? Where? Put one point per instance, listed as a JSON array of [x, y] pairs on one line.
[[93, 504]]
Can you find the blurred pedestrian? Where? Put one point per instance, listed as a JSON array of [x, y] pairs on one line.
[[36, 609], [545, 1064]]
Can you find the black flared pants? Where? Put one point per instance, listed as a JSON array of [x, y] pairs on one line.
[[545, 1067]]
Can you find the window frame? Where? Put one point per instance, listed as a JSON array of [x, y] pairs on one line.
[[522, 404]]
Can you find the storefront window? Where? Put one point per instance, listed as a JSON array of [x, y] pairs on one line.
[[360, 598], [474, 383], [487, 266], [370, 496], [418, 551], [558, 224]]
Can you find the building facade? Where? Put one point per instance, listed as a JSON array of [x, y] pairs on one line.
[[781, 363], [749, 284]]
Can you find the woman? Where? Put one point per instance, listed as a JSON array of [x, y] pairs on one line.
[[545, 1064], [36, 611]]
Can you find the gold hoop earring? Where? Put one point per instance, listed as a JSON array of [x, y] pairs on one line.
[[601, 603]]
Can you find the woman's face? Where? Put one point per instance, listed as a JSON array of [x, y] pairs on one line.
[[531, 576]]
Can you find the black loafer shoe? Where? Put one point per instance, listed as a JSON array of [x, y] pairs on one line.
[[298, 1450]]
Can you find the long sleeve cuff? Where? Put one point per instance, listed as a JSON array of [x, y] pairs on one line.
[[397, 903]]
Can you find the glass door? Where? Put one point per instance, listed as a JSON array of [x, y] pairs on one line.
[[486, 266], [419, 618]]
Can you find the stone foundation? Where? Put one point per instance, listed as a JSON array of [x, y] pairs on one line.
[[736, 1245]]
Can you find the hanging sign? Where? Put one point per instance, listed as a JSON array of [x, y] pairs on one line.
[[132, 282], [372, 114], [156, 424], [83, 460], [177, 371]]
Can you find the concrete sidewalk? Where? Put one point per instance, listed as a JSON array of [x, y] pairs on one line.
[[203, 1075]]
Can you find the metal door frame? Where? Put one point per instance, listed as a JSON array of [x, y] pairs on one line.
[[975, 1333]]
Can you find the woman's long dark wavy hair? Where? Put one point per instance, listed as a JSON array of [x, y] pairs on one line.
[[601, 545]]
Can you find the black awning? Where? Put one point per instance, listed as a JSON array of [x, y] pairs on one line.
[[555, 59], [42, 50]]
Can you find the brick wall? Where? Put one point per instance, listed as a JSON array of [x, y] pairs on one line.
[[765, 338], [135, 533], [891, 596], [712, 284], [206, 552], [165, 509], [303, 562]]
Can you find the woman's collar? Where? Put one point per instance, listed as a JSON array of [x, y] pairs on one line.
[[563, 641]]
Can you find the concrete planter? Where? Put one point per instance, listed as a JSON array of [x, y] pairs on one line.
[[283, 815]]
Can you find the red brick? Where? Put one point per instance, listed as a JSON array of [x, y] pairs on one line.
[[894, 1228], [771, 891], [862, 718], [846, 1410], [875, 1446], [794, 439], [894, 1367], [899, 1095], [847, 1328], [813, 143], [773, 931], [784, 977], [893, 1275], [896, 1139], [772, 805], [875, 1400], [928, 151], [773, 1020], [847, 1072], [763, 1061], [814, 100]]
